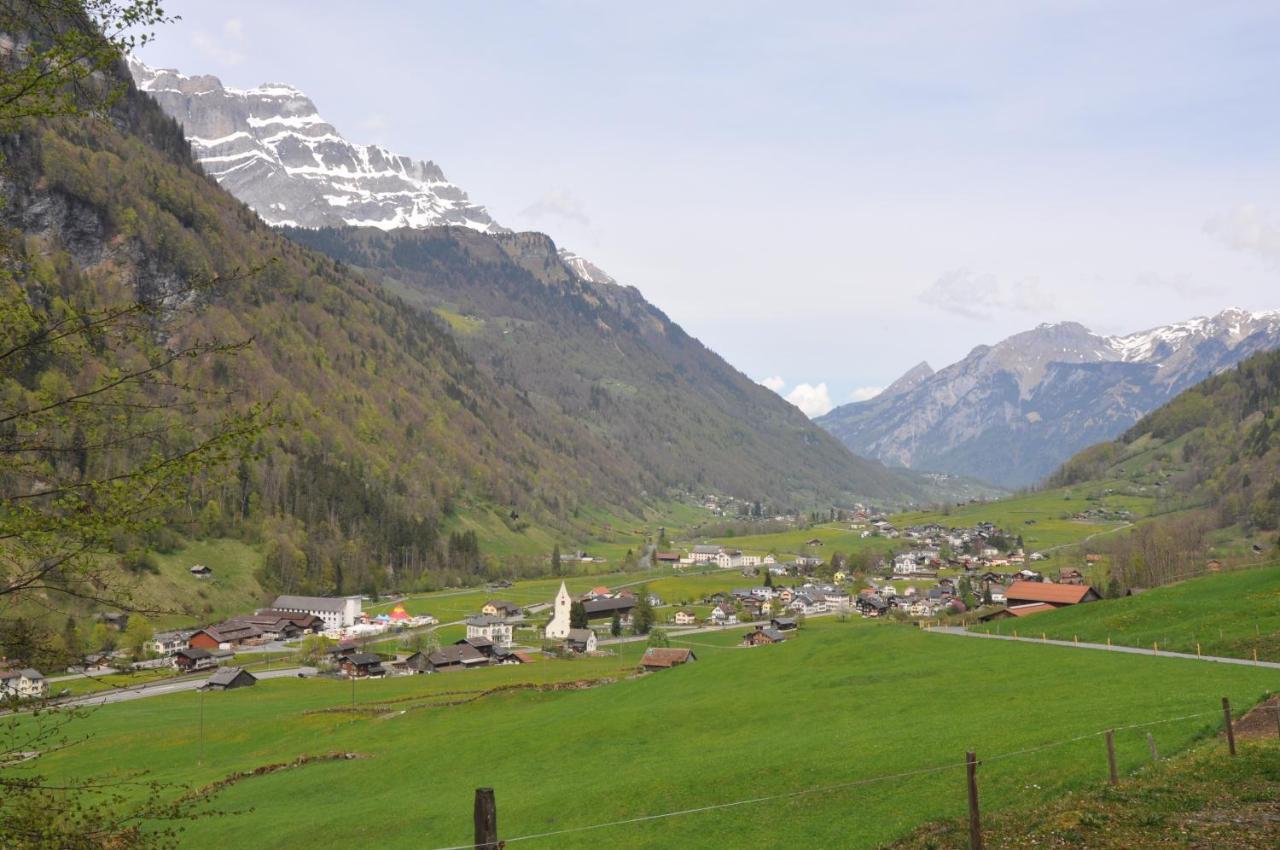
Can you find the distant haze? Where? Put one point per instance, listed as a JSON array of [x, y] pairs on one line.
[[825, 196]]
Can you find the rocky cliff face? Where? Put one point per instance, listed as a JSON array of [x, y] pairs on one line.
[[271, 149], [1011, 413]]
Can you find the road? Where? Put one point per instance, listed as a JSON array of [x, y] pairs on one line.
[[1131, 650], [161, 688]]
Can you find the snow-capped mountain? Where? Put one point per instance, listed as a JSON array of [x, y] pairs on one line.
[[1010, 413], [270, 148]]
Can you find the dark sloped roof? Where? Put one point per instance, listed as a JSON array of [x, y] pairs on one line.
[[608, 606]]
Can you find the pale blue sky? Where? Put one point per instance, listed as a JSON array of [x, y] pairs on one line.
[[828, 193]]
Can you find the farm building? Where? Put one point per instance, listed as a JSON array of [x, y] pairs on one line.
[[1048, 593], [660, 658], [228, 678]]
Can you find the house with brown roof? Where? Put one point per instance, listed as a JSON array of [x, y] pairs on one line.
[[762, 636], [1049, 593], [460, 656], [661, 657]]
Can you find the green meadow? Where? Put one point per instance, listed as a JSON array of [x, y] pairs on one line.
[[1229, 614], [826, 713]]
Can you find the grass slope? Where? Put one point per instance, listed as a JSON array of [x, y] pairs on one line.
[[841, 704], [1228, 614]]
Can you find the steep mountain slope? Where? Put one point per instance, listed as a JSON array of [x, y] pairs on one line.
[[1011, 412], [542, 318], [599, 354], [391, 431]]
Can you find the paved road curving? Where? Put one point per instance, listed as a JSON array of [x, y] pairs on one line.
[[1131, 650]]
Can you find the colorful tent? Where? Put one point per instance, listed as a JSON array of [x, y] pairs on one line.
[[398, 613]]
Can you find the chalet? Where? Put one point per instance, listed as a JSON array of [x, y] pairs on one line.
[[661, 658], [604, 609], [480, 644], [600, 592], [783, 624], [165, 644], [228, 678], [724, 615], [500, 608], [1214, 566], [666, 559], [763, 636], [872, 606], [581, 640], [807, 605], [337, 612], [26, 683], [813, 541], [194, 658], [1049, 593], [997, 592], [116, 620], [685, 618], [493, 628], [200, 571], [224, 636], [361, 665], [1070, 575], [446, 659]]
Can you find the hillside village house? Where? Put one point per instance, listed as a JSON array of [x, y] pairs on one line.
[[165, 644], [446, 659], [763, 636], [685, 618], [361, 665], [337, 612], [191, 659], [495, 629], [705, 553], [581, 640], [201, 571], [23, 684], [500, 608], [724, 615]]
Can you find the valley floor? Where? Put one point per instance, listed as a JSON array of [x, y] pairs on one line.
[[852, 734]]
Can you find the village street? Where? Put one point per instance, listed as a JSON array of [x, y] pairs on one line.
[[1132, 650], [161, 688]]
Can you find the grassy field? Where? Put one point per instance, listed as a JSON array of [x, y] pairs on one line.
[[232, 589], [843, 703], [1228, 614]]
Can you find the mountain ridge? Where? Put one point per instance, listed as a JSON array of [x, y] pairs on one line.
[[1009, 413]]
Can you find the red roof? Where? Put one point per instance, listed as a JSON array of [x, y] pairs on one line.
[[656, 656], [1045, 591]]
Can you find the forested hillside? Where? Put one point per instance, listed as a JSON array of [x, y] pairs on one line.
[[600, 356], [387, 428], [1212, 458]]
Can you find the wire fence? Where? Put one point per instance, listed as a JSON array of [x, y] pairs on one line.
[[839, 786]]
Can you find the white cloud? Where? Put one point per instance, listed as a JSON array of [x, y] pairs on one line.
[[979, 296], [234, 28], [775, 383], [224, 49], [864, 393], [812, 401], [1248, 228], [557, 204]]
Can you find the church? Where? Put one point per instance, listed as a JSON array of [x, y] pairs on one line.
[[558, 628]]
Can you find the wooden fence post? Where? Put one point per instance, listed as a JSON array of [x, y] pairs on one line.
[[486, 820], [1151, 745], [975, 820], [1231, 732], [1111, 757]]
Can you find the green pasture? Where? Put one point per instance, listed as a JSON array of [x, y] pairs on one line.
[[828, 712], [1228, 614]]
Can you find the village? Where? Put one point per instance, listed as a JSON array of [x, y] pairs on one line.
[[978, 573]]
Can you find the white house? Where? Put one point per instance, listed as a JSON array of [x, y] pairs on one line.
[[704, 554], [686, 618], [23, 684], [495, 629], [724, 615], [338, 612], [558, 628], [166, 644]]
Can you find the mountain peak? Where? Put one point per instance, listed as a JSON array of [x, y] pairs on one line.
[[270, 147]]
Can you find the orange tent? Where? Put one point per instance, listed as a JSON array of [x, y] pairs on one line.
[[398, 613]]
